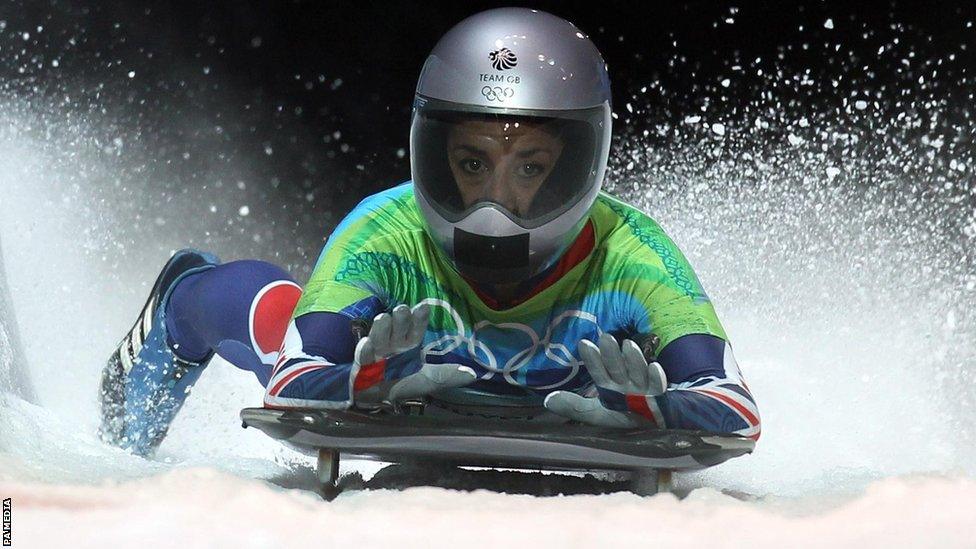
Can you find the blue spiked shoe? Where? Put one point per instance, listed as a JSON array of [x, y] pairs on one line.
[[144, 383]]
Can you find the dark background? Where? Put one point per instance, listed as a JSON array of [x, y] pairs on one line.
[[311, 99]]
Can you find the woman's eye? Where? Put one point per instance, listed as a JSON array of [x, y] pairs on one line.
[[472, 165], [531, 169]]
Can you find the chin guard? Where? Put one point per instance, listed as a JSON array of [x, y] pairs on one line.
[[492, 259]]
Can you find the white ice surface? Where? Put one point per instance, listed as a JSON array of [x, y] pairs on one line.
[[205, 508]]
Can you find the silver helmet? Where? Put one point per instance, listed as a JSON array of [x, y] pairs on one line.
[[509, 141]]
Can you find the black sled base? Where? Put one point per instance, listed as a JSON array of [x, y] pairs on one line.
[[517, 444]]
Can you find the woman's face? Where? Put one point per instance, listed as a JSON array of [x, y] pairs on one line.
[[504, 162]]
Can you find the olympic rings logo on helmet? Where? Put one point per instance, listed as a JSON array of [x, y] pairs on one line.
[[497, 93]]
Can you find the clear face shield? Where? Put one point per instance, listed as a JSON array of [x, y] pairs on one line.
[[530, 168], [504, 162]]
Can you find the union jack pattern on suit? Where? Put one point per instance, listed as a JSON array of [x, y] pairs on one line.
[[713, 403]]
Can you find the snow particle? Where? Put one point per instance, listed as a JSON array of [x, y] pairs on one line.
[[132, 74], [718, 129], [829, 24], [244, 211]]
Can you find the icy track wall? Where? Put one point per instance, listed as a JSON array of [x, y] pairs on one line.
[[830, 218], [13, 369], [84, 232], [88, 212]]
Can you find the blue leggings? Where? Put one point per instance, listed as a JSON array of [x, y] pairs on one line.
[[239, 310]]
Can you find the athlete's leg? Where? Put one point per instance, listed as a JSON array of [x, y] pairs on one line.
[[240, 309]]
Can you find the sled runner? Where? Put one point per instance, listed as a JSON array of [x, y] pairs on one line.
[[651, 456]]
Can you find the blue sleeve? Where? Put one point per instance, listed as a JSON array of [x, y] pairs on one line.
[[315, 367], [327, 335], [692, 357], [705, 388], [705, 391]]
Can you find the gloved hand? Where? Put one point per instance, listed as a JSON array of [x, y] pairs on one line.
[[625, 382], [387, 363]]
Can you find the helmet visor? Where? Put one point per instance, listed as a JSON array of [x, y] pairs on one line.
[[531, 165]]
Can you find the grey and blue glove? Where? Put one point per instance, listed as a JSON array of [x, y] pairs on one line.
[[387, 364], [626, 385]]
